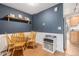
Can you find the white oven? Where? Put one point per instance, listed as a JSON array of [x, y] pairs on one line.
[[50, 43]]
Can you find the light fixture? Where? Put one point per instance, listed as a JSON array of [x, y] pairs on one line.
[[32, 4], [56, 9]]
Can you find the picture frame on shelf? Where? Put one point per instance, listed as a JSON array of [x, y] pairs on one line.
[[20, 16], [25, 18], [12, 15], [28, 19]]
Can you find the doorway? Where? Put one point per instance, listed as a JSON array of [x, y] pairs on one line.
[[72, 36]]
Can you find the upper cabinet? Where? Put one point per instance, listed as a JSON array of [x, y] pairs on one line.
[[74, 21]]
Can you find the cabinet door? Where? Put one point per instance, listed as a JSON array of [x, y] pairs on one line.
[[74, 21], [74, 37]]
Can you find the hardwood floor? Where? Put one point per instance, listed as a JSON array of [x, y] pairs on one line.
[[38, 51], [72, 49]]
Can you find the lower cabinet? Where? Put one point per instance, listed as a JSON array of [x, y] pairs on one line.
[[74, 37]]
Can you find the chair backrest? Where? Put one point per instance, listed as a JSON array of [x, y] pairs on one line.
[[21, 36], [13, 38], [33, 36], [8, 38]]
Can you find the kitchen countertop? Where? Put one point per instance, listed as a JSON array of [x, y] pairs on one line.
[[74, 29]]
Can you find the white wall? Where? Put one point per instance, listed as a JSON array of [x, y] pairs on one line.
[[3, 43], [40, 36]]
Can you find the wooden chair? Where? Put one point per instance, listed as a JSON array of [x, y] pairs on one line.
[[21, 38], [32, 41], [10, 45], [20, 43]]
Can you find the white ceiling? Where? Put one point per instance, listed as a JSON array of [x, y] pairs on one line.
[[68, 8], [25, 7]]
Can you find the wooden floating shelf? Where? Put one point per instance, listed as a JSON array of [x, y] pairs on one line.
[[9, 18]]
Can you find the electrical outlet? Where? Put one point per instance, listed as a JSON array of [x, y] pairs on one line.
[[59, 28]]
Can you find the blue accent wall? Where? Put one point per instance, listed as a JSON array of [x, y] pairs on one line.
[[12, 27], [49, 20], [45, 21]]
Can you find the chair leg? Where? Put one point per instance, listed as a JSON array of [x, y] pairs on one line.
[[33, 45], [27, 45], [13, 52], [23, 47], [8, 50]]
